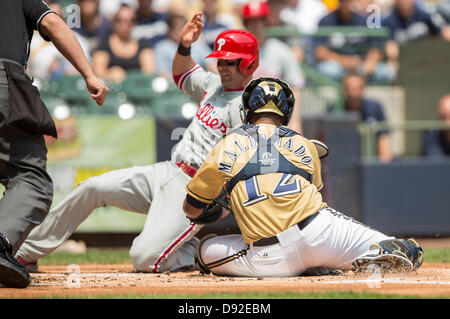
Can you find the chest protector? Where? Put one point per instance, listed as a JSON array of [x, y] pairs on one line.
[[267, 159]]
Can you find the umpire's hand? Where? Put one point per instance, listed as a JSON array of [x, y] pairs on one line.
[[97, 89], [65, 41]]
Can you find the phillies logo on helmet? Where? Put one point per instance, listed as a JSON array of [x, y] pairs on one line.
[[220, 43], [237, 44]]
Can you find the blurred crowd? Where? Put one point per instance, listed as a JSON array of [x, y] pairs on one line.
[[119, 36]]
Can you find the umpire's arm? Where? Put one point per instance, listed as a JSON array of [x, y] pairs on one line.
[[65, 41]]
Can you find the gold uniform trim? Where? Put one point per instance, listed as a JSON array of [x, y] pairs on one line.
[[227, 259]]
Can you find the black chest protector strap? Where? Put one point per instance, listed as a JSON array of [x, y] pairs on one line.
[[266, 159]]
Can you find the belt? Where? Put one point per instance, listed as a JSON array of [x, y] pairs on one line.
[[274, 239], [2, 65], [188, 169]]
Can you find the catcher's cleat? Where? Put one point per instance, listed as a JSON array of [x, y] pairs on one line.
[[393, 255], [385, 262], [417, 251], [12, 273]]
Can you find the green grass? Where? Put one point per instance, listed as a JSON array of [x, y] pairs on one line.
[[437, 255], [121, 256], [91, 256], [253, 295]]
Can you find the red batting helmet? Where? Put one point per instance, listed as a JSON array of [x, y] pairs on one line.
[[237, 44], [255, 9]]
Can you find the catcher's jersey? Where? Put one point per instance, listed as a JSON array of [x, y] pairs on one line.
[[273, 174], [218, 110]]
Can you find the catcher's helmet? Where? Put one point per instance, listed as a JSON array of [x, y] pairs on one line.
[[240, 45], [251, 10], [266, 94]]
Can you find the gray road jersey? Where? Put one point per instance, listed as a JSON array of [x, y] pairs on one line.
[[218, 111]]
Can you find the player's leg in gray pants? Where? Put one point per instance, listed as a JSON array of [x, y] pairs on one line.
[[166, 228], [132, 189]]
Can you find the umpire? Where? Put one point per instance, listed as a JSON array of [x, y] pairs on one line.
[[24, 120]]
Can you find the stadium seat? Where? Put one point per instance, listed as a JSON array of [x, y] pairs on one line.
[[170, 105], [138, 87], [52, 102], [72, 88], [47, 89]]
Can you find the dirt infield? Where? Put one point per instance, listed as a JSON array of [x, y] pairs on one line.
[[432, 280]]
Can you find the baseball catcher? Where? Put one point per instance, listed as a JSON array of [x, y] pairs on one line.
[[272, 175]]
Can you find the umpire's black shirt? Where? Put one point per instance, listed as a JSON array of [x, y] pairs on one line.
[[18, 20]]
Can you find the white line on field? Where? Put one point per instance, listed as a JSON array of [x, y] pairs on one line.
[[355, 281], [102, 275], [388, 280]]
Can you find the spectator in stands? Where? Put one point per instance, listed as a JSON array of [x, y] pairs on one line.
[[165, 50], [119, 53], [276, 7], [213, 24], [276, 58], [108, 8], [151, 26], [370, 110], [304, 14], [331, 4], [94, 27], [443, 8], [437, 142], [408, 22], [337, 55], [364, 6], [275, 19]]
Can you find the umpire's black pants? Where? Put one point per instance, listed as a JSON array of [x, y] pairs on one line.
[[28, 188]]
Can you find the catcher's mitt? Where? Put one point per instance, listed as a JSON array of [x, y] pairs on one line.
[[213, 211], [322, 149]]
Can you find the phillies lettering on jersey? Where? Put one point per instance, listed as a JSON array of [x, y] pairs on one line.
[[205, 114], [218, 110]]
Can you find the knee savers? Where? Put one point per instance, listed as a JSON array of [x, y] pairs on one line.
[[199, 263]]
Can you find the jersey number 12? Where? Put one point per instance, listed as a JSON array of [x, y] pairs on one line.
[[282, 188]]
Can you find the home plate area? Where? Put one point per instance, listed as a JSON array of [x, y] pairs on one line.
[[431, 280]]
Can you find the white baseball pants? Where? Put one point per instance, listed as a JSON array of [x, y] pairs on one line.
[[157, 190], [331, 239]]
